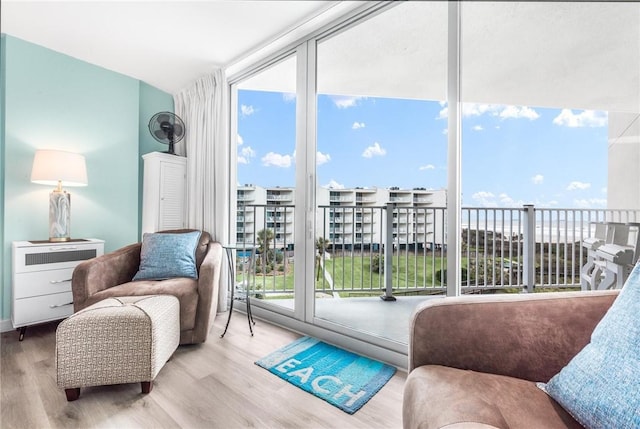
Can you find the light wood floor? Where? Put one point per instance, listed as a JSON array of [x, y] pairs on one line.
[[213, 385]]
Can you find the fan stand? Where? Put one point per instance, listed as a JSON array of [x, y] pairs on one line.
[[171, 150]]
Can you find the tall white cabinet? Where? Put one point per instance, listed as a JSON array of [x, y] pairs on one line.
[[164, 192]]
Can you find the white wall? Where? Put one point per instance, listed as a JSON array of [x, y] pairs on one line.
[[623, 188]]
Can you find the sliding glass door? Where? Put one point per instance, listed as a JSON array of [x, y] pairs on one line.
[[381, 163], [364, 171], [266, 178]]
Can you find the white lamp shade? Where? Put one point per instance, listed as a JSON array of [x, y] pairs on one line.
[[52, 166]]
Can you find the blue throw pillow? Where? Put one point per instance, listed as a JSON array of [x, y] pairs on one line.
[[165, 256], [600, 387]]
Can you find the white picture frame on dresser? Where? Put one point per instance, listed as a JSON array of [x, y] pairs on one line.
[[41, 279]]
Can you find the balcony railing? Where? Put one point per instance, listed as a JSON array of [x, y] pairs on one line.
[[519, 248]]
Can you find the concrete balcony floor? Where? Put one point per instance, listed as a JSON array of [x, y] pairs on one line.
[[371, 315]]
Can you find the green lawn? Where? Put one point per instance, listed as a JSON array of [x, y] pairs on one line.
[[354, 273]]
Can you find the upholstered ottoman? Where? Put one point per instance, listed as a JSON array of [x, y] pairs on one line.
[[116, 341]]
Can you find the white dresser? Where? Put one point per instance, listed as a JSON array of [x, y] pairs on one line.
[[41, 279]]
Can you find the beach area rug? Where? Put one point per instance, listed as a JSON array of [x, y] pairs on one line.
[[343, 379]]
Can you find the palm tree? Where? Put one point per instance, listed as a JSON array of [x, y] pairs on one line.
[[265, 236], [322, 244]]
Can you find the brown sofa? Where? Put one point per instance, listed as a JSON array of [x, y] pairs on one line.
[[474, 361], [110, 275]]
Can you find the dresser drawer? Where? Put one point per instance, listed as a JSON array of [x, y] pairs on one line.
[[42, 283], [27, 311], [53, 257]]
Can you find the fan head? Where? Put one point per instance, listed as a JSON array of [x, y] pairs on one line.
[[167, 128]]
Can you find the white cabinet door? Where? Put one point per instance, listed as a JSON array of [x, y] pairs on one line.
[[164, 192], [172, 196]]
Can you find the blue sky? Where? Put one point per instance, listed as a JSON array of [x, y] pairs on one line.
[[511, 155]]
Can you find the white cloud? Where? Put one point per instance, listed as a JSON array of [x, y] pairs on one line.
[[333, 185], [489, 199], [506, 200], [427, 167], [239, 139], [588, 118], [246, 110], [590, 203], [478, 128], [245, 153], [248, 151], [357, 125], [484, 198], [537, 179], [288, 97], [578, 185], [374, 150], [277, 160], [515, 112], [500, 110], [545, 204], [344, 102], [476, 109], [322, 158]]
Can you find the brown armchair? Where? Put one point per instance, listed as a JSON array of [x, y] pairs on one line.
[[110, 275], [475, 361]]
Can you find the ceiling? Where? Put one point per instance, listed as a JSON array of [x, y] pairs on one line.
[[167, 44], [580, 55], [547, 54]]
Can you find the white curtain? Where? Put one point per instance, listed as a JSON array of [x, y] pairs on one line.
[[204, 110]]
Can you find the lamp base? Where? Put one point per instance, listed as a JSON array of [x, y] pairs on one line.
[[59, 216], [59, 239]]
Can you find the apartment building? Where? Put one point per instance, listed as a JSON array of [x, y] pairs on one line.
[[349, 219]]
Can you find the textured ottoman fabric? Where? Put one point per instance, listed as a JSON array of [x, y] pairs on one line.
[[117, 340]]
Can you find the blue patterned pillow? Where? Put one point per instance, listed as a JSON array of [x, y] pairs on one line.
[[165, 256], [600, 387]]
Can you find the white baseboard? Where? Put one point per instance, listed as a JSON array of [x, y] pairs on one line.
[[5, 325]]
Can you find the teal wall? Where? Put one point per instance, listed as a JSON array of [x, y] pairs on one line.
[[2, 158], [53, 101]]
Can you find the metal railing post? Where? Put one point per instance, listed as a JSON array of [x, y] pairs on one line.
[[529, 248], [388, 256]]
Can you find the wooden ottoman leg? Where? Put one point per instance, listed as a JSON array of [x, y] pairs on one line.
[[72, 394], [146, 386]]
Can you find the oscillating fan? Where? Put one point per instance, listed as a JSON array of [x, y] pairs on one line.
[[167, 128]]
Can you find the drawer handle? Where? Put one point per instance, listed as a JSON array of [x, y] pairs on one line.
[[53, 282], [60, 305], [62, 248]]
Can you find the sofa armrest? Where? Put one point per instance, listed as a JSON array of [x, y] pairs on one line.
[[528, 336], [103, 272], [208, 286]]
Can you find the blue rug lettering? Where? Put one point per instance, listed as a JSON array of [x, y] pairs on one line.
[[322, 384], [342, 378]]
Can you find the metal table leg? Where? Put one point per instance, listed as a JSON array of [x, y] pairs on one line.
[[232, 282]]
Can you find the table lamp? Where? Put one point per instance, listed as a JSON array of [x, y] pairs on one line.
[[58, 168]]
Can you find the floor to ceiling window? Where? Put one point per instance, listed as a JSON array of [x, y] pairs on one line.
[[265, 191], [346, 170], [539, 82], [381, 163]]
